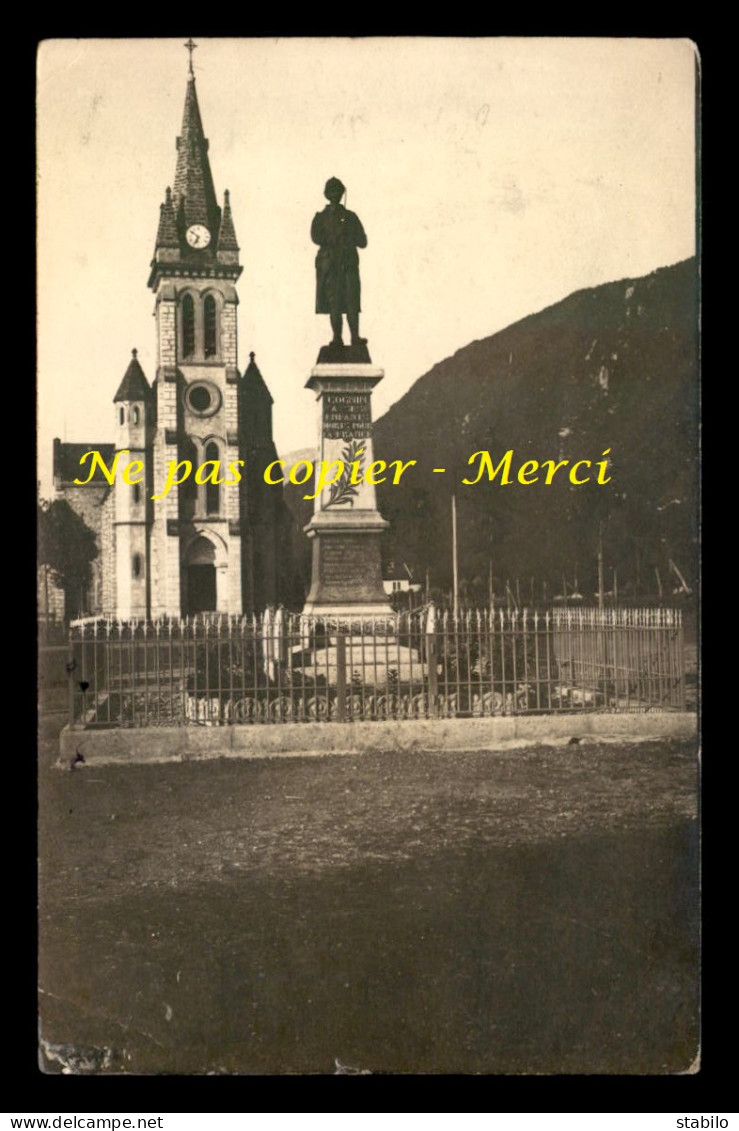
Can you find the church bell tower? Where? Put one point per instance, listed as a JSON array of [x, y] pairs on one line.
[[196, 533]]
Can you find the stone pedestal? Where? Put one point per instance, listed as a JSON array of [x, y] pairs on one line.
[[346, 527]]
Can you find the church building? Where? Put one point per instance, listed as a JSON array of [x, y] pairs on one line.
[[204, 546]]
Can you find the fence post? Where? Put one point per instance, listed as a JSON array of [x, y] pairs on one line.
[[341, 678], [680, 660], [431, 661], [70, 677]]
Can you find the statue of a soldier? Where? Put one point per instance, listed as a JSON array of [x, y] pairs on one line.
[[338, 233]]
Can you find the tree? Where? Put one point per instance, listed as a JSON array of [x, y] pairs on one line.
[[68, 546]]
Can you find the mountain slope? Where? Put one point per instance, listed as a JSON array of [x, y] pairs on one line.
[[610, 367]]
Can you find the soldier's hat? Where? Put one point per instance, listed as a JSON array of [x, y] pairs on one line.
[[333, 185]]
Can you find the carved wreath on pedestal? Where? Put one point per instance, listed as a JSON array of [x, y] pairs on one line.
[[343, 492]]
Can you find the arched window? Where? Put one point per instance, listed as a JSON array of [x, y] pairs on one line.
[[137, 492], [209, 326], [188, 326], [189, 489], [135, 414], [212, 490], [138, 565], [122, 415]]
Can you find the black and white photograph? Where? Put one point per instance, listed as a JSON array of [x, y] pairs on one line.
[[368, 574]]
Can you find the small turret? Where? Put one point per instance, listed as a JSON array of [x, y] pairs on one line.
[[134, 428], [227, 235], [134, 386], [167, 236]]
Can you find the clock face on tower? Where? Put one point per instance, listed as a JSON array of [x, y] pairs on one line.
[[198, 236]]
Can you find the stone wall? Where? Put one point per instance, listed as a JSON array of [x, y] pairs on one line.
[[50, 597], [90, 503], [107, 542]]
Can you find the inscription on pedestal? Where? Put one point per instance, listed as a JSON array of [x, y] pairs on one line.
[[346, 568], [346, 415], [344, 561]]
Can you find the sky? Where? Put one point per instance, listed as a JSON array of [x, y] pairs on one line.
[[493, 178]]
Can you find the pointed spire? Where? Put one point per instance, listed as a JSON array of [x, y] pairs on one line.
[[192, 201], [134, 386], [193, 181], [254, 381], [167, 232], [227, 235], [252, 369]]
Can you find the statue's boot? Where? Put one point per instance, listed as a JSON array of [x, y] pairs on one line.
[[336, 326], [353, 320]]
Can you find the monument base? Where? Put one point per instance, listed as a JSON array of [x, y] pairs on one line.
[[372, 662], [346, 575], [336, 353], [346, 528], [348, 612]]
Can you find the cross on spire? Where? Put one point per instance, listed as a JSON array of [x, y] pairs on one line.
[[190, 47]]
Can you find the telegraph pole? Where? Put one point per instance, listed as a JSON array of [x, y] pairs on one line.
[[455, 566]]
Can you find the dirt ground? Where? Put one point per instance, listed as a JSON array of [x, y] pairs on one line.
[[526, 911]]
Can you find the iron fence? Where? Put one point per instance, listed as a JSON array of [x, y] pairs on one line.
[[215, 670]]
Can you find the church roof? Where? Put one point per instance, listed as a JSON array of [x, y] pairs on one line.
[[134, 386], [252, 376], [193, 182], [67, 466]]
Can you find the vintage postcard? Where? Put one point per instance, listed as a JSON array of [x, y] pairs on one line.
[[367, 579]]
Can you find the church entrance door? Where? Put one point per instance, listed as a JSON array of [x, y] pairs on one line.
[[201, 588]]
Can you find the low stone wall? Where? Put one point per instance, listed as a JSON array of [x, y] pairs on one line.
[[291, 740]]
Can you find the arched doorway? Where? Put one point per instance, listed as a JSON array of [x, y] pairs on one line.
[[201, 576]]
